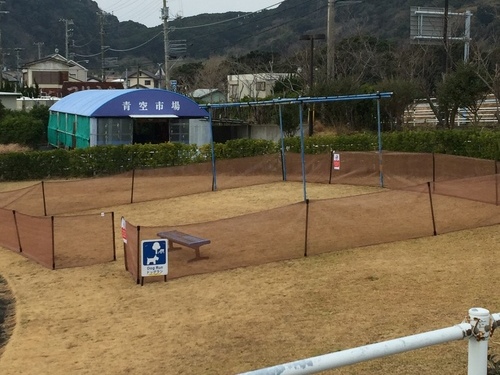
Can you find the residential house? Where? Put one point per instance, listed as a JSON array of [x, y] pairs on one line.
[[141, 79], [253, 86], [50, 72], [10, 78]]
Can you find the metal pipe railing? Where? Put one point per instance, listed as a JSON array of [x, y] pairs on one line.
[[477, 327]]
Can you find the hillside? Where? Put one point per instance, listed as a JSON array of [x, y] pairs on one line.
[[32, 27]]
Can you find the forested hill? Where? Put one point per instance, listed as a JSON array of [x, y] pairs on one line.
[[32, 26]]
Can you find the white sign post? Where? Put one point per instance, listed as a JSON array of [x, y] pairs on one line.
[[154, 258]]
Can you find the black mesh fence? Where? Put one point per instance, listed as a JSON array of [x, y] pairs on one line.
[[60, 241], [318, 226], [392, 170], [429, 194]]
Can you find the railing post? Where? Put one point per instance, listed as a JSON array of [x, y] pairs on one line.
[[478, 342]]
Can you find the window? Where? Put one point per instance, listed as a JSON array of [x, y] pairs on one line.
[[114, 131], [147, 82], [233, 91], [50, 78], [179, 131], [260, 86]]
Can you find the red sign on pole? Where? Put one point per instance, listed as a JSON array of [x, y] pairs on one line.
[[124, 230], [336, 162]]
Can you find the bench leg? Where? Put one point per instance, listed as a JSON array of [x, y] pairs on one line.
[[197, 255], [171, 246]]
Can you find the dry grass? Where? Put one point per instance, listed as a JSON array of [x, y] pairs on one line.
[[13, 148], [96, 320]]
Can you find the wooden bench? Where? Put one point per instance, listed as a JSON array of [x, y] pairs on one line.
[[184, 239]]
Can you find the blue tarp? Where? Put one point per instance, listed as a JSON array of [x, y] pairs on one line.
[[147, 103]]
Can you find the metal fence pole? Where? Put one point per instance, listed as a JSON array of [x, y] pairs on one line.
[[283, 155], [478, 343]]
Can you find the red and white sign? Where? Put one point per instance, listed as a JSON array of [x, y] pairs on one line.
[[124, 229], [336, 162]]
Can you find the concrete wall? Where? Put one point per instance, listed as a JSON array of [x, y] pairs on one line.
[[25, 104], [199, 132], [270, 132], [9, 99]]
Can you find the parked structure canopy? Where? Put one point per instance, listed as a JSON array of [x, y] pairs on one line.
[[135, 103]]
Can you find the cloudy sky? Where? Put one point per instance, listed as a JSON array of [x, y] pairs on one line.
[[148, 13]]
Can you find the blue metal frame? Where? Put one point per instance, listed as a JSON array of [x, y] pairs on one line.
[[300, 101]]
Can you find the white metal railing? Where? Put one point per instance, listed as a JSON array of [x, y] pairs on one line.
[[477, 328]]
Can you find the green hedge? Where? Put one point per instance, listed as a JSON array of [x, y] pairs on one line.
[[106, 160]]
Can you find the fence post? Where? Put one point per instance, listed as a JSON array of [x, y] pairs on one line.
[[113, 233], [307, 227], [283, 155], [432, 209], [53, 243], [44, 201], [331, 166], [478, 342], [132, 187], [139, 280], [17, 231]]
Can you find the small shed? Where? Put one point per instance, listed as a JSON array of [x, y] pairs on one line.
[[114, 117], [208, 96]]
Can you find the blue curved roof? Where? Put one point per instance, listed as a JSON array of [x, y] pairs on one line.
[[148, 103]]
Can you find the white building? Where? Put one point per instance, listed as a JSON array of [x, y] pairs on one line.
[[253, 86]]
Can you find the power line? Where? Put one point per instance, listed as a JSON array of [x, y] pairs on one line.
[[107, 48], [263, 18], [225, 21], [136, 47], [278, 26]]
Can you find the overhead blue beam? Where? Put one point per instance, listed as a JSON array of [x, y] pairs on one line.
[[301, 100]]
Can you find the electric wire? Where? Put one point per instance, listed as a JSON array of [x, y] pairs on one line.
[[136, 47], [212, 24], [225, 21]]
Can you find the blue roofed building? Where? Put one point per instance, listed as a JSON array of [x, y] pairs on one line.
[[114, 117]]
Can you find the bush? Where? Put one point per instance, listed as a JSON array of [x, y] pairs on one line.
[[106, 160], [23, 129]]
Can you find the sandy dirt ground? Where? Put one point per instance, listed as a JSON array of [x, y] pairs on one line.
[[96, 320]]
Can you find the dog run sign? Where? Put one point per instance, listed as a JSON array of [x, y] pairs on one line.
[[154, 256]]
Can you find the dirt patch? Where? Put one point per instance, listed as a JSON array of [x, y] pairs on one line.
[[12, 148], [7, 313]]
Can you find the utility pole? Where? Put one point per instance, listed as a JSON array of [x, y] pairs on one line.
[[103, 47], [164, 15], [66, 35], [330, 35], [18, 59], [39, 45], [1, 51], [311, 38], [330, 41], [445, 37]]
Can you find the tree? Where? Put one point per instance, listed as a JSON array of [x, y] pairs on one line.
[[489, 71], [186, 75], [404, 94], [462, 88], [213, 74]]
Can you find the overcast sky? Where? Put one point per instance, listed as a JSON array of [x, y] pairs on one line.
[[148, 12]]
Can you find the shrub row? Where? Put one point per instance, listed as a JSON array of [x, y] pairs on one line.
[[483, 144], [106, 160]]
